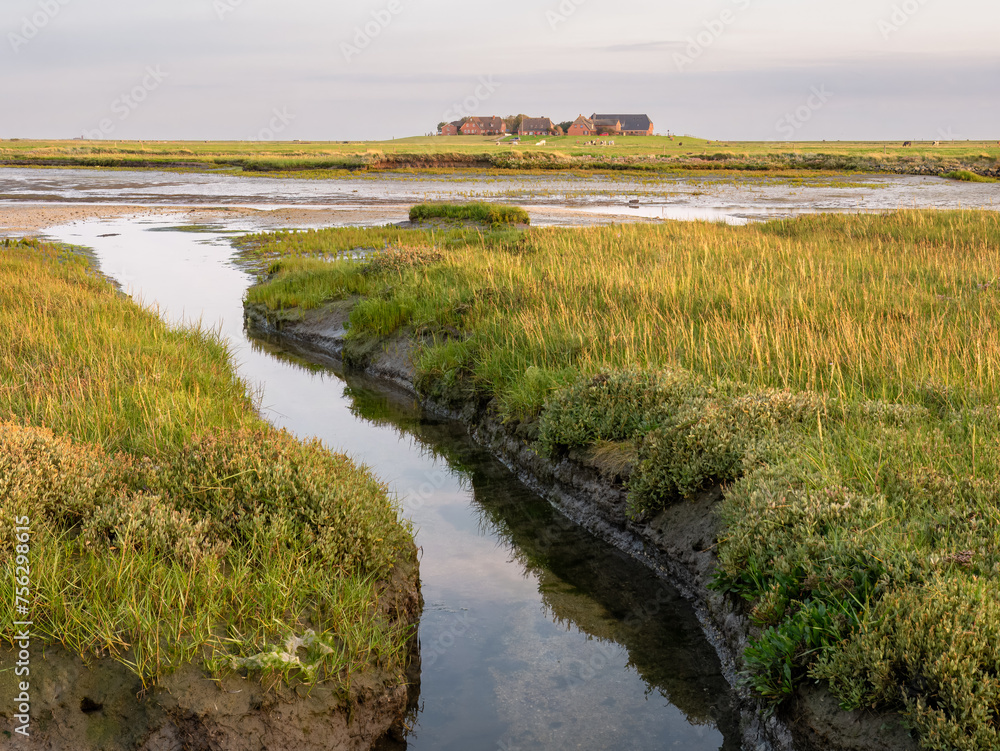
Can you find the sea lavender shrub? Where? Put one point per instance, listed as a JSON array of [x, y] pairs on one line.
[[932, 649], [140, 521], [398, 259], [697, 446], [901, 415], [49, 477], [713, 438], [266, 484], [614, 406]]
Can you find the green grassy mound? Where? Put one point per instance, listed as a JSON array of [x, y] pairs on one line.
[[968, 177], [490, 214]]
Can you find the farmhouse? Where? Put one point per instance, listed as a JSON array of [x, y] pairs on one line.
[[539, 126], [629, 125], [582, 126], [484, 126], [596, 126]]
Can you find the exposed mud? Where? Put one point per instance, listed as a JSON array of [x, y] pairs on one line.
[[31, 199], [102, 706], [679, 543]]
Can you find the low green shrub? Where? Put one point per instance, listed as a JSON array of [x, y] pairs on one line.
[[714, 438], [931, 648], [491, 214], [396, 259], [781, 656], [613, 406], [968, 177], [210, 550]]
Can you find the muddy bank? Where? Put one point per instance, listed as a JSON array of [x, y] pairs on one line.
[[34, 219], [99, 705], [678, 543]]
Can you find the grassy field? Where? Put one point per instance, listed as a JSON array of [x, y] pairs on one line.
[[839, 374], [169, 523], [653, 153]]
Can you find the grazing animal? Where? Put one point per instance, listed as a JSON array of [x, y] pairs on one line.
[[907, 143]]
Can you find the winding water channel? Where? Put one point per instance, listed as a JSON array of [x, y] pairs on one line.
[[535, 634]]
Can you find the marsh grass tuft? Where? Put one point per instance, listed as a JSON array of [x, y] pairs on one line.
[[969, 177], [489, 214]]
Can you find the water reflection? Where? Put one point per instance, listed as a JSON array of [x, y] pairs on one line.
[[565, 666]]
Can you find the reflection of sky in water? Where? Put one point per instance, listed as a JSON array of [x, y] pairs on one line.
[[534, 635]]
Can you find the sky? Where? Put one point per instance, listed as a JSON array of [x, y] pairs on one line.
[[319, 70]]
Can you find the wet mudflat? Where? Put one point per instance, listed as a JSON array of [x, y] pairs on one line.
[[387, 197]]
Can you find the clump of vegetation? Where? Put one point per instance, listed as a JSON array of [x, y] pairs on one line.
[[968, 177], [839, 375], [397, 259], [169, 523], [614, 406], [490, 214]]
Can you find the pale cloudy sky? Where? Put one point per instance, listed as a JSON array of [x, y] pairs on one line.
[[316, 70]]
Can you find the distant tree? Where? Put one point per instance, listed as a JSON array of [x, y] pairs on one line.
[[514, 122], [566, 125], [441, 126]]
